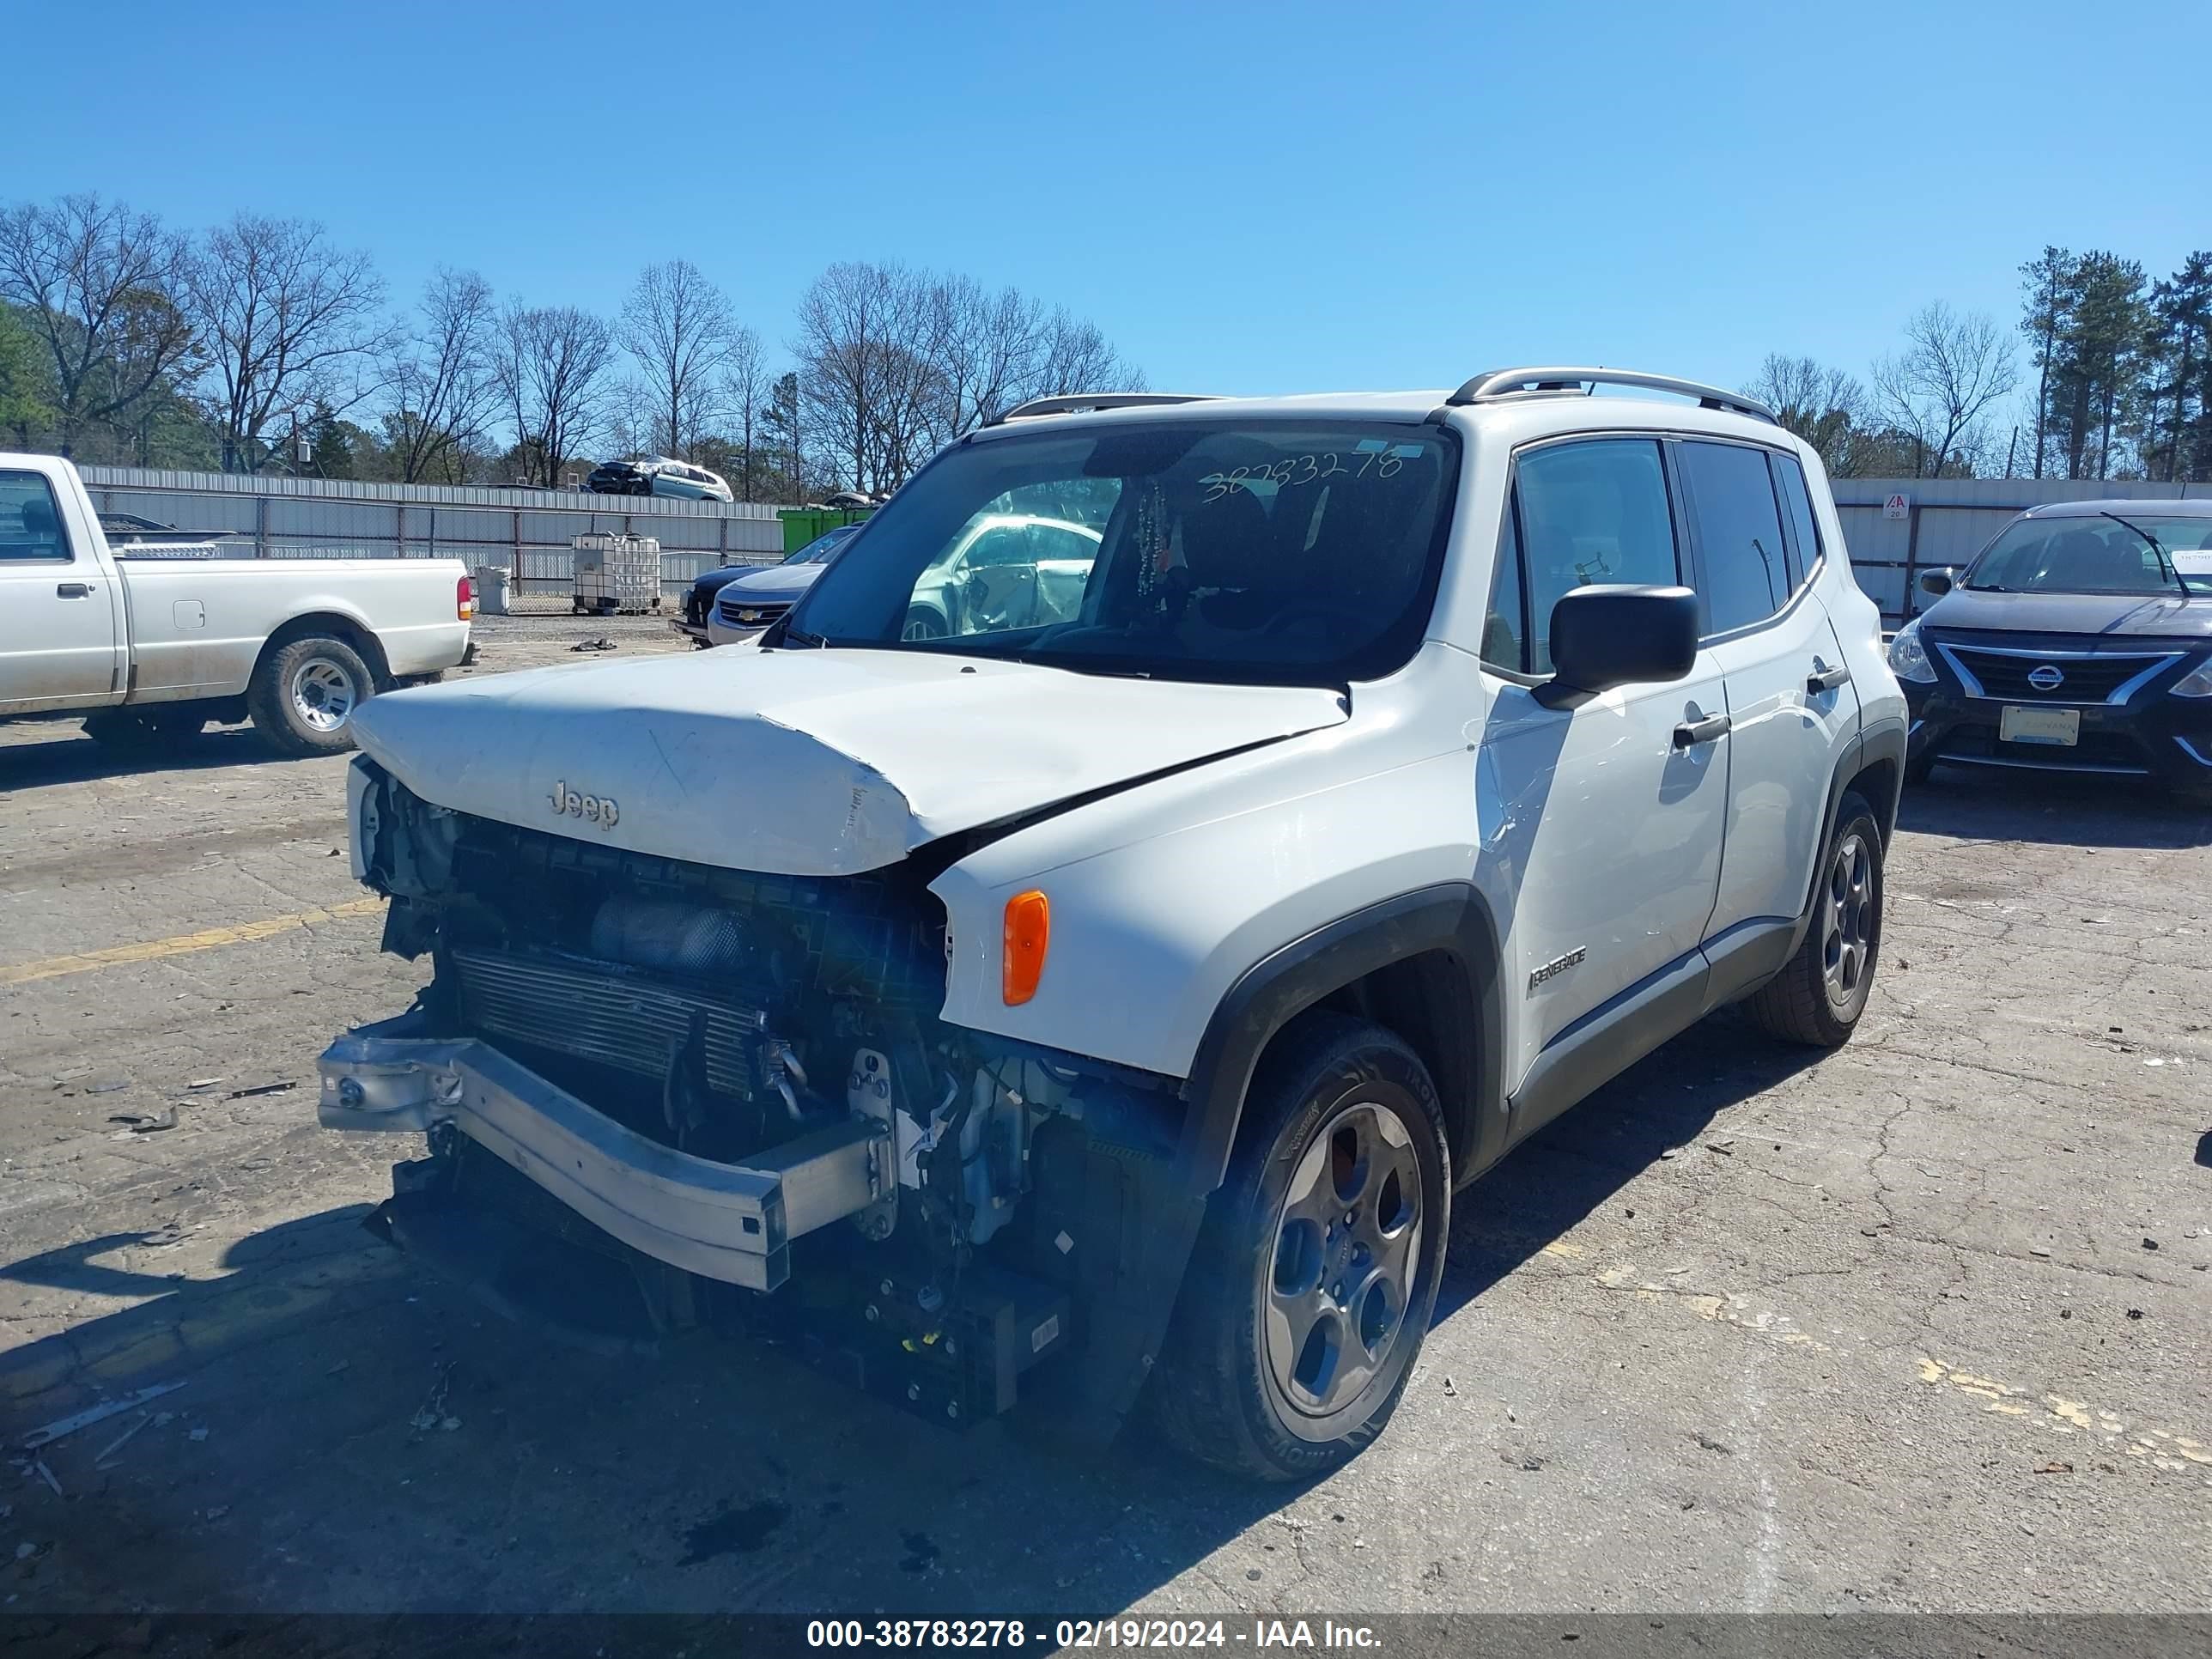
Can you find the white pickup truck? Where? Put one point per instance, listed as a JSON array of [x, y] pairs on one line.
[[149, 643]]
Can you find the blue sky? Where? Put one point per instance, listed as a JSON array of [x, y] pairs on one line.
[[1247, 198]]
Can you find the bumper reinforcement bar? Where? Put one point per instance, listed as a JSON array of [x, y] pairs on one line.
[[726, 1221]]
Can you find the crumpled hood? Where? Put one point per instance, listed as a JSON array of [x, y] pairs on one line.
[[802, 763], [2129, 616]]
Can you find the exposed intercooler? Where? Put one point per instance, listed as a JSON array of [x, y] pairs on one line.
[[611, 1013]]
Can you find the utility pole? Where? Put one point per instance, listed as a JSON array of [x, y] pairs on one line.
[[2012, 449]]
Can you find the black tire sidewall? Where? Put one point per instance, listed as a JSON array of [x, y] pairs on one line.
[[270, 698], [1371, 1065], [1854, 816]]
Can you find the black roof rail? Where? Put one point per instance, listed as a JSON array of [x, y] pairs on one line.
[[1069, 403], [1499, 385]]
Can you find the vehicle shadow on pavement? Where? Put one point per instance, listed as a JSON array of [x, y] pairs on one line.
[[2055, 810], [355, 1435], [67, 755], [1578, 1162]]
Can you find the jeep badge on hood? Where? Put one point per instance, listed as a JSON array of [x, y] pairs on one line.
[[595, 809]]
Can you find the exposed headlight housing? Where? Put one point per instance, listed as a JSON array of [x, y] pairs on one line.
[[1908, 657], [2196, 683]]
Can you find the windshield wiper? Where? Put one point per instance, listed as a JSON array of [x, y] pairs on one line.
[[2165, 563], [800, 636]]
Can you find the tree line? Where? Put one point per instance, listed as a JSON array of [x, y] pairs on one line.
[[261, 345], [2118, 383]]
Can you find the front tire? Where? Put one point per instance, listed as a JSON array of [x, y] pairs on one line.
[[304, 694], [924, 623], [1818, 997], [1314, 1274]]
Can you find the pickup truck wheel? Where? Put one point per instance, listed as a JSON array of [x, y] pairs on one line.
[[1315, 1271], [304, 694], [1818, 997], [142, 731]]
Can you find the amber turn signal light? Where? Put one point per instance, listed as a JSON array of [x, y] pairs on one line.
[[1029, 931]]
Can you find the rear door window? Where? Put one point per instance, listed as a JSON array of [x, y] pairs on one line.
[[1744, 571]]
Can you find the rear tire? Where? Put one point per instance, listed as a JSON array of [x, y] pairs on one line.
[[1310, 1291], [143, 731], [1818, 997], [304, 694]]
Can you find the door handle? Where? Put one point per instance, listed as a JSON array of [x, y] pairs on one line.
[[1823, 679], [73, 590], [1690, 733]]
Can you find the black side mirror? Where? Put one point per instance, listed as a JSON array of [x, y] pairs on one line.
[[1937, 583], [1606, 636]]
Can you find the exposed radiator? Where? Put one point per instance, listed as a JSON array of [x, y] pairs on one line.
[[606, 1012]]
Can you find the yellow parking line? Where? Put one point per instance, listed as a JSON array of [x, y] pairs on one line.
[[184, 943]]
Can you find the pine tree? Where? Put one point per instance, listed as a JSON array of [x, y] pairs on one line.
[[2048, 279]]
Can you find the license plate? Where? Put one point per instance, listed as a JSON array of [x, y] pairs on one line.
[[2062, 726]]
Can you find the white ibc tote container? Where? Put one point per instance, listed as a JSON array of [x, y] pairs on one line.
[[616, 573]]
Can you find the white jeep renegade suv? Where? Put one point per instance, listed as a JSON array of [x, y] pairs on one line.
[[1107, 997]]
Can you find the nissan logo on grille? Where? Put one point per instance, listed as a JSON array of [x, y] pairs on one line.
[[2045, 678]]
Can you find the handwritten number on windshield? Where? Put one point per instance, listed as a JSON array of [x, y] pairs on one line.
[[1295, 471]]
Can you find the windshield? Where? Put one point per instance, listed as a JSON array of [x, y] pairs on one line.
[[821, 546], [1287, 553], [2117, 552]]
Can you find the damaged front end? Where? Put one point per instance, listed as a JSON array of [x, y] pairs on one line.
[[728, 1096]]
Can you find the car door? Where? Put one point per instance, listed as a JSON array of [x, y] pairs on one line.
[[59, 612], [1791, 706], [1603, 819]]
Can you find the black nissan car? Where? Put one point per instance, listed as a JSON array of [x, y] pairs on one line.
[[2080, 640]]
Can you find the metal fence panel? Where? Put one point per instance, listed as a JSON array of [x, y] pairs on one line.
[[1948, 520]]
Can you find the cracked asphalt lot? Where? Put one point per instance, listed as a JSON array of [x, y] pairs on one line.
[[1919, 1325]]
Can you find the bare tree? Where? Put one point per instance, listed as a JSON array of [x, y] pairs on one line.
[[284, 315], [857, 328], [989, 351], [630, 419], [747, 387], [99, 284], [677, 325], [1077, 358], [551, 362], [1953, 367], [1827, 407], [439, 375]]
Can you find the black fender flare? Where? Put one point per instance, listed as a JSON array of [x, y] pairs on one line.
[[1450, 917], [1883, 740]]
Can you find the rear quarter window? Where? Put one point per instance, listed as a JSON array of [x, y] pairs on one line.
[[1805, 532]]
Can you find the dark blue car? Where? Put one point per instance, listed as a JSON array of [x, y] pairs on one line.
[[780, 583], [2080, 640]]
